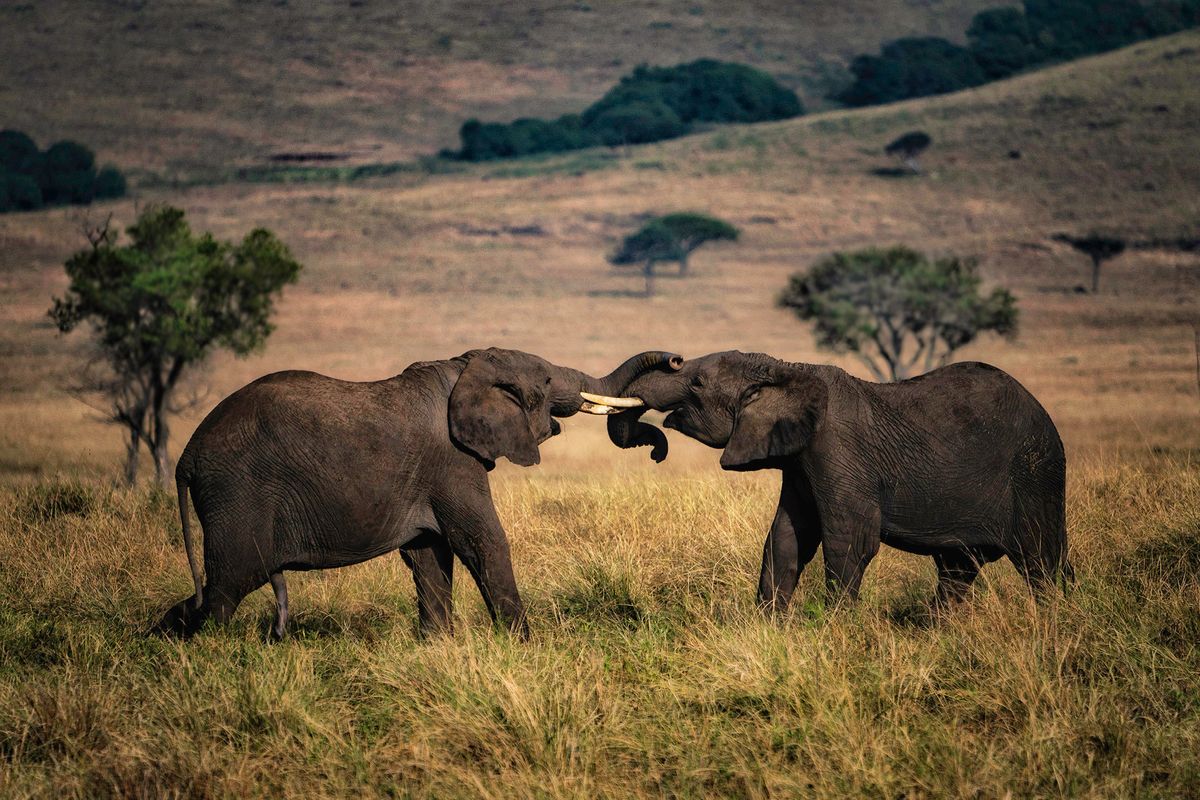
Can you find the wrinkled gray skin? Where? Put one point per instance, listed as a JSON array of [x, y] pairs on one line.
[[962, 464], [298, 471]]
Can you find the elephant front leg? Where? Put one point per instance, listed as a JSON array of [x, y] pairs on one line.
[[477, 538], [791, 544], [432, 563], [850, 538]]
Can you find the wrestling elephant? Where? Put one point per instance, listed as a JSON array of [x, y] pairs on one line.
[[962, 464], [297, 471]]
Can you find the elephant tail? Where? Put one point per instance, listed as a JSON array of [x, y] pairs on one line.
[[181, 486]]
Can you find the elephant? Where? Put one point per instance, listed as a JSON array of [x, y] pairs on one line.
[[299, 471], [961, 464]]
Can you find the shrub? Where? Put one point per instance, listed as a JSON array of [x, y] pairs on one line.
[[651, 104], [64, 173], [914, 67], [1002, 42]]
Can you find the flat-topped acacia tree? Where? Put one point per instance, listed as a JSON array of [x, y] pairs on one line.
[[162, 304], [670, 238], [896, 310], [1096, 247]]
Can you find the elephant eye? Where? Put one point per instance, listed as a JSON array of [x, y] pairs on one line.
[[753, 395], [696, 381]]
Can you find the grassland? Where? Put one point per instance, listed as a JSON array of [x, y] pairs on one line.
[[181, 90], [649, 673]]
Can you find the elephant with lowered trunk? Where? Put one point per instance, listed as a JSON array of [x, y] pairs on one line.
[[297, 471], [962, 464]]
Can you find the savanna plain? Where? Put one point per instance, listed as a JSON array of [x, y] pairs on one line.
[[649, 671]]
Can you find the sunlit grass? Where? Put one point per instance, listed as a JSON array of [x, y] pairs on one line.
[[649, 671]]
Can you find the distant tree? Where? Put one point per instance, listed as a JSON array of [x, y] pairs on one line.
[[17, 151], [896, 310], [908, 147], [670, 238], [1002, 42], [648, 105], [1098, 248], [913, 67], [160, 305], [636, 122], [690, 231]]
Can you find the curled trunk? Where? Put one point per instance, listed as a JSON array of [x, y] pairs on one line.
[[659, 391], [568, 383]]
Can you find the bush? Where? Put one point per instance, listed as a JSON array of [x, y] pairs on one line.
[[1002, 42], [915, 67], [1005, 40], [17, 151], [64, 173], [649, 105]]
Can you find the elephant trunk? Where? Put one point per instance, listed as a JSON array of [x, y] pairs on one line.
[[567, 383], [626, 430]]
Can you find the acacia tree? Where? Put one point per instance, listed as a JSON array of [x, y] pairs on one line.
[[161, 305], [1098, 248], [670, 238], [896, 310], [908, 148]]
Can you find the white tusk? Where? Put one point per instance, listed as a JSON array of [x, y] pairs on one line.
[[598, 409], [615, 402]]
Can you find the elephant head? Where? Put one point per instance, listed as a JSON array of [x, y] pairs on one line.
[[757, 408], [504, 401]]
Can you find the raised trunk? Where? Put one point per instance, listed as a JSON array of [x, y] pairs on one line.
[[568, 383], [626, 429]]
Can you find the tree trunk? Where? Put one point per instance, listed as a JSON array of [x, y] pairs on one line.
[[648, 270], [683, 265], [159, 437], [133, 449], [1095, 275]]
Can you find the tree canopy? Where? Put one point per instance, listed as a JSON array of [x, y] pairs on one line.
[[1097, 247], [897, 310], [907, 147], [648, 105], [163, 303], [1003, 41], [65, 173], [670, 238]]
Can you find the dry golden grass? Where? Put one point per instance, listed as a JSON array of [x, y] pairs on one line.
[[190, 89], [649, 672]]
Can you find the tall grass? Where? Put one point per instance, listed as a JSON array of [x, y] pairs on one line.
[[649, 672]]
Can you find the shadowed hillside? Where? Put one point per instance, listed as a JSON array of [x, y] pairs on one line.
[[183, 89]]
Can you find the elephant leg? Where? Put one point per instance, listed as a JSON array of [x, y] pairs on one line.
[[432, 563], [477, 538], [791, 543], [957, 570], [281, 605], [850, 539]]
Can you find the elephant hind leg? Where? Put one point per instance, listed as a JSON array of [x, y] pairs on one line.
[[957, 571], [281, 605]]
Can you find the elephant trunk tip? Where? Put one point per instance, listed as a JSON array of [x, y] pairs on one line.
[[675, 362]]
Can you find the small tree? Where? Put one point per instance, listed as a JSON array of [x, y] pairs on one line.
[[671, 238], [1098, 248], [896, 310], [161, 305], [908, 147]]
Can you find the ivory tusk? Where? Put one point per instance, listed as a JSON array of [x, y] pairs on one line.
[[614, 402], [598, 409]]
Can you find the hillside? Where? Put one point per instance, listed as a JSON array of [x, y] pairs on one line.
[[419, 266], [183, 89]]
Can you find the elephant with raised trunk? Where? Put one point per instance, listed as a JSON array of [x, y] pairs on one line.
[[962, 464], [297, 471]]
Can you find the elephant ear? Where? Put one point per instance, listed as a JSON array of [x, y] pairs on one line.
[[775, 421], [487, 417]]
